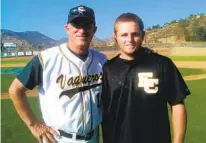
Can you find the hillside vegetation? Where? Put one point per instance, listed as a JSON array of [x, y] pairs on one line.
[[190, 29]]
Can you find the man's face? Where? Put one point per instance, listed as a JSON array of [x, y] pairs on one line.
[[81, 32], [129, 37]]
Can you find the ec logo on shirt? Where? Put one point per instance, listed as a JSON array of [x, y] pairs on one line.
[[147, 81]]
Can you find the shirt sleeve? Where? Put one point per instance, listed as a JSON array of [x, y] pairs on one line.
[[31, 75], [176, 89]]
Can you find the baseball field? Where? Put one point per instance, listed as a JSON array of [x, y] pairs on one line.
[[193, 69]]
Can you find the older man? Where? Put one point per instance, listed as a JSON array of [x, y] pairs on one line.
[[69, 77]]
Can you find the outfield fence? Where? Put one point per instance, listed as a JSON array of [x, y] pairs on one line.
[[18, 53], [187, 49]]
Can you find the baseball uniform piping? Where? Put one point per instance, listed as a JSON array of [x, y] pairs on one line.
[[82, 99], [40, 59], [90, 93]]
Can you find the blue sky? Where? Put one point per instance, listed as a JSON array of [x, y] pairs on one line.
[[50, 16]]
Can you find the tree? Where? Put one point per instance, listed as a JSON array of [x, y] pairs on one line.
[[178, 31], [165, 24], [204, 34], [201, 33], [194, 37], [173, 21], [156, 26], [183, 23], [192, 16], [202, 14], [186, 34]]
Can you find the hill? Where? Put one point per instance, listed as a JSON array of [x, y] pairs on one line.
[[190, 29], [36, 40], [27, 39]]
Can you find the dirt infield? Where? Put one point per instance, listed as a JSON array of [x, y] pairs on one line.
[[15, 58], [195, 77], [12, 65], [181, 51], [191, 64]]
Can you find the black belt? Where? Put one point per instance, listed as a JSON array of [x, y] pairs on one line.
[[85, 137]]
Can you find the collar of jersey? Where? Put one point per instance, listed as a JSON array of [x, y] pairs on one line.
[[73, 58]]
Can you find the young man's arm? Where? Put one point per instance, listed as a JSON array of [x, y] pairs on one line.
[[179, 122], [175, 83], [20, 101]]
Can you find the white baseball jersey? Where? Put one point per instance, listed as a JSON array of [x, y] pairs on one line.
[[70, 90]]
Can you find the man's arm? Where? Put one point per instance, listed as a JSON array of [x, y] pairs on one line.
[[19, 99], [179, 122]]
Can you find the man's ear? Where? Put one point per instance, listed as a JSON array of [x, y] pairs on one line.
[[66, 27], [143, 34]]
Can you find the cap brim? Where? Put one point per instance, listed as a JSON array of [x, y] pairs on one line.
[[80, 16]]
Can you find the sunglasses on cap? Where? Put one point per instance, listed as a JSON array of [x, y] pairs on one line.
[[82, 23]]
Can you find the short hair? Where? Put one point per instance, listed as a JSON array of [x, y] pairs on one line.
[[129, 17]]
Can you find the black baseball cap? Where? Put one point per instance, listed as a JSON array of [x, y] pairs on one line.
[[81, 11]]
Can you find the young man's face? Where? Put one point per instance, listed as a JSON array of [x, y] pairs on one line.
[[129, 37], [81, 32]]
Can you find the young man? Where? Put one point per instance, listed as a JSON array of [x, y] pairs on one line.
[[69, 77], [137, 86]]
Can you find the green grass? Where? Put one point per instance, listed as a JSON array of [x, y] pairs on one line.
[[14, 130], [196, 132], [188, 58], [186, 71], [12, 127], [6, 81], [15, 61]]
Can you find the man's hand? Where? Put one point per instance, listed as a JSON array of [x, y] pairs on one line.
[[43, 133]]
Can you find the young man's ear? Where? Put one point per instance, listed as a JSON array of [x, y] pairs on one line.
[[143, 34], [115, 38]]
